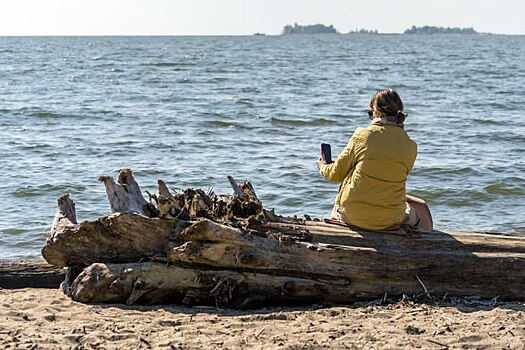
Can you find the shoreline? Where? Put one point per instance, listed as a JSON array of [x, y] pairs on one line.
[[47, 319]]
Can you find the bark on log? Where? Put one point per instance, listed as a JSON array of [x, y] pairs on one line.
[[457, 264], [120, 237], [29, 274], [155, 283]]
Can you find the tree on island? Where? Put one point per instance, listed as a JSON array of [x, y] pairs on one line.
[[363, 31], [309, 29], [439, 30]]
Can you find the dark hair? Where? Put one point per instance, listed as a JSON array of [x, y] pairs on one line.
[[389, 104]]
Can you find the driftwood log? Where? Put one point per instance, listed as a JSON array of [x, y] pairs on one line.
[[29, 273], [231, 252], [153, 283]]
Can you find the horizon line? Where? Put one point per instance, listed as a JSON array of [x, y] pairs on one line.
[[254, 34]]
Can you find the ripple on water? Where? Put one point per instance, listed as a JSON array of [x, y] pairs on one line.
[[225, 124], [300, 122], [509, 187], [177, 65], [243, 101], [46, 190], [454, 197], [13, 231], [444, 172]]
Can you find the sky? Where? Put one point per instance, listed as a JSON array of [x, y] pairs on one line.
[[246, 17]]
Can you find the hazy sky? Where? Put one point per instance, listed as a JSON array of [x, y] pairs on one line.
[[245, 17]]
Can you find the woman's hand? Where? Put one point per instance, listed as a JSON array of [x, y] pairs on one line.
[[321, 161]]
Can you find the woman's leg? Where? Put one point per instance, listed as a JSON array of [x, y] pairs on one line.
[[417, 209]]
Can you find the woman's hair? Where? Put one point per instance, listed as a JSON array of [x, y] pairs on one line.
[[388, 103]]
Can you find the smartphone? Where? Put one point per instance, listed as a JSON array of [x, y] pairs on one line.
[[326, 150]]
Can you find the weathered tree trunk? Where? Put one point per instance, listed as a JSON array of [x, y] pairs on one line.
[[121, 237], [374, 263], [154, 283], [367, 264], [29, 274]]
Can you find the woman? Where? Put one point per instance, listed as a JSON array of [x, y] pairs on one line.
[[373, 169]]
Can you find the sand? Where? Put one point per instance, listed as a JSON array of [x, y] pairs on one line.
[[47, 319]]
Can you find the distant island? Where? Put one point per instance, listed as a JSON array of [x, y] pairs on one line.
[[439, 30], [324, 29], [321, 29], [309, 29]]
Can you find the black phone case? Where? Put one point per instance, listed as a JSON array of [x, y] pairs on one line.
[[326, 150]]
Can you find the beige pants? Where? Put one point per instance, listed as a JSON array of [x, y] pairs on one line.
[[411, 218]]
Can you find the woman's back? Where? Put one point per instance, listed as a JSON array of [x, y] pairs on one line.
[[373, 194]]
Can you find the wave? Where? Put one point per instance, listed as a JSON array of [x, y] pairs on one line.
[[490, 122], [50, 115], [33, 146], [223, 124], [170, 64], [243, 100], [434, 171], [508, 137], [511, 186], [301, 122], [14, 231], [472, 197], [46, 189], [452, 197]]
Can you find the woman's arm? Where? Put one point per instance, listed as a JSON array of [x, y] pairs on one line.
[[345, 162]]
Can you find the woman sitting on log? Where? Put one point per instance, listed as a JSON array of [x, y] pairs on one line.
[[373, 169]]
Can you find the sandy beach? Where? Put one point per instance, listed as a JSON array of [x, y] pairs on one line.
[[47, 319]]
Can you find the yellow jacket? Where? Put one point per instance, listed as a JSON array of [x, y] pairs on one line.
[[373, 169]]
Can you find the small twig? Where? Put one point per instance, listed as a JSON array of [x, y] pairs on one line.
[[374, 302], [425, 288], [438, 343], [145, 341], [152, 197], [259, 333], [183, 209], [415, 311]]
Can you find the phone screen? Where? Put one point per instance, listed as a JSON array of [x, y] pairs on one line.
[[326, 150]]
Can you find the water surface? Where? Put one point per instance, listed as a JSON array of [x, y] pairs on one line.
[[192, 110]]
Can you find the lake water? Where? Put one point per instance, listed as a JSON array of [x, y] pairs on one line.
[[192, 110]]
